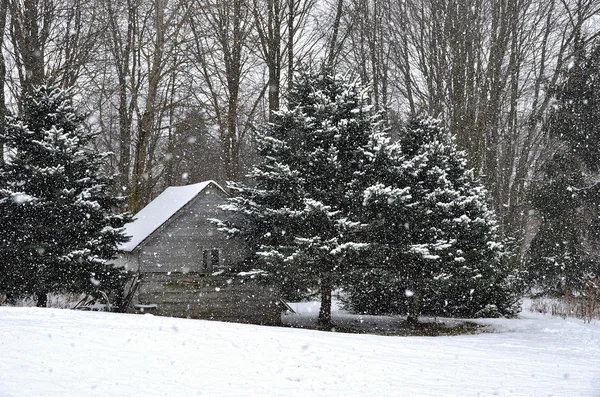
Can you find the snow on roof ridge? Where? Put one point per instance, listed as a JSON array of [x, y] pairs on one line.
[[160, 210]]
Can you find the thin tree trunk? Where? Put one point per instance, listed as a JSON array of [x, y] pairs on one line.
[[290, 44], [42, 299], [146, 127], [414, 311], [28, 40], [274, 56], [3, 12], [232, 161], [373, 48], [122, 53], [333, 44], [325, 310], [124, 161], [269, 33]]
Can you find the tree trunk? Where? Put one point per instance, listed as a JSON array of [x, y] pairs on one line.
[[414, 311], [333, 44], [136, 197], [290, 44], [29, 40], [231, 140], [124, 161], [325, 310], [122, 46], [139, 194], [275, 56], [3, 12], [42, 299]]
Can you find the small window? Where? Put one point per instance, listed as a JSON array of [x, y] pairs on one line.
[[214, 256], [205, 260], [210, 259]]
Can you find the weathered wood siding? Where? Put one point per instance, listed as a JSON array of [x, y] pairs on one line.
[[179, 244], [223, 298]]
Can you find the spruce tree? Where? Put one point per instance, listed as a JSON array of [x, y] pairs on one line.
[[562, 254], [435, 249], [58, 230], [298, 214], [377, 286]]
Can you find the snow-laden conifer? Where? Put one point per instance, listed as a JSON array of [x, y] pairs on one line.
[[566, 195], [434, 247], [58, 225], [298, 214]]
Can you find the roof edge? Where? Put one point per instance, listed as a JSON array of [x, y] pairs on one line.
[[208, 183]]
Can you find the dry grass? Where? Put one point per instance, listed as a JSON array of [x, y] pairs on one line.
[[451, 328], [585, 305], [58, 301]]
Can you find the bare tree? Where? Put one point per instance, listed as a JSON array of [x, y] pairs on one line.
[[121, 19], [276, 25], [269, 31], [369, 23], [486, 67], [336, 40], [29, 33], [220, 48], [51, 42], [158, 42]]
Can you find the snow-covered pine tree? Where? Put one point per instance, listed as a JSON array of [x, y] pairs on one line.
[[433, 233], [454, 245], [561, 256], [564, 252], [58, 229], [377, 286], [297, 215]]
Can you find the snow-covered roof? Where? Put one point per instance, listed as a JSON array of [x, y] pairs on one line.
[[160, 210]]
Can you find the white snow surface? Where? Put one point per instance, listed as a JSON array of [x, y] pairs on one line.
[[159, 210], [54, 352]]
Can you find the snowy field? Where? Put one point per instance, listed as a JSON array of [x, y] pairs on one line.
[[53, 352]]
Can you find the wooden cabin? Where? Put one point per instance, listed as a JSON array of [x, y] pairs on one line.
[[184, 263]]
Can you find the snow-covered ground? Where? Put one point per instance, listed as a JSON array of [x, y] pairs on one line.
[[53, 352]]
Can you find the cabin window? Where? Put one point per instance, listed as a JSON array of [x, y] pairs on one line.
[[210, 259], [205, 260], [214, 258]]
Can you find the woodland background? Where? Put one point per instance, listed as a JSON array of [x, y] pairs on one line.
[[175, 86]]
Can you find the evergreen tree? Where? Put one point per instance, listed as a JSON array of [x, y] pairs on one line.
[[563, 254], [433, 238], [307, 186], [557, 256], [58, 229]]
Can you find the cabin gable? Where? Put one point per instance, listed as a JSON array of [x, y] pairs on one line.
[[189, 242]]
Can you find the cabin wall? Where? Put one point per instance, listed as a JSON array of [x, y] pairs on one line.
[[178, 246], [222, 298]]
